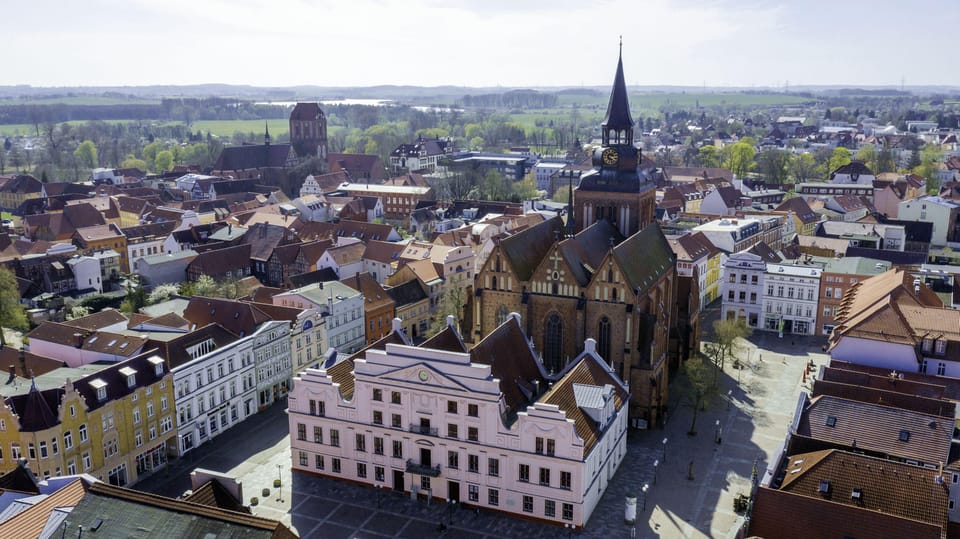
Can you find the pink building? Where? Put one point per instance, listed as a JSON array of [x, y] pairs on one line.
[[486, 427]]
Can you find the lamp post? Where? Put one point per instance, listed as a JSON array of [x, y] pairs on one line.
[[644, 491], [569, 528], [664, 449], [451, 506], [280, 483], [379, 487], [729, 398], [717, 432], [656, 464]]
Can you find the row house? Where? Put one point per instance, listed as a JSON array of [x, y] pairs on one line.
[[113, 423], [378, 307], [790, 299], [146, 240], [271, 341], [804, 218], [381, 259], [80, 346], [941, 212], [732, 235], [398, 201], [488, 428], [15, 190], [214, 383], [742, 288], [340, 308], [307, 333], [412, 302], [839, 274], [101, 238]]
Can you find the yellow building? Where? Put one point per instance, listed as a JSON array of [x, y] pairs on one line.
[[91, 239], [112, 423], [17, 189], [714, 264]]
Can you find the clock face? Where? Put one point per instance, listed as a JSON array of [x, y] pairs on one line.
[[424, 376], [610, 156]]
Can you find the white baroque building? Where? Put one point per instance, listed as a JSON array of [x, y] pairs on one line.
[[488, 428], [791, 298], [741, 287]]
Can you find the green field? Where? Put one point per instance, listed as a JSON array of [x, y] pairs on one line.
[[226, 128], [655, 100], [10, 130]]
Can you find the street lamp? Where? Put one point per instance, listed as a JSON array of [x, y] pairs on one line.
[[280, 483], [664, 449], [379, 487], [644, 491], [729, 398], [656, 464], [452, 506], [717, 431], [569, 528]]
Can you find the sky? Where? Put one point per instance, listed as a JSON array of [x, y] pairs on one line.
[[512, 43]]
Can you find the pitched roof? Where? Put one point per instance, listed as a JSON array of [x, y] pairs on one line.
[[238, 317], [253, 156], [133, 513], [37, 410], [446, 339], [32, 521], [347, 254], [97, 320], [342, 372], [513, 362], [585, 252], [406, 293], [219, 261], [374, 296], [800, 208], [346, 228], [527, 248], [644, 257], [383, 251], [877, 429], [175, 351], [213, 494]]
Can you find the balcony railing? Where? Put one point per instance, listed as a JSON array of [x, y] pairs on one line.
[[420, 429], [420, 469]]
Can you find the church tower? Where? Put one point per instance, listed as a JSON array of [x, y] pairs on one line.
[[616, 190], [308, 131]]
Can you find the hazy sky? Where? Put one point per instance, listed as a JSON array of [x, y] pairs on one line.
[[478, 42]]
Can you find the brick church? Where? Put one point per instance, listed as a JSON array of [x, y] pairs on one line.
[[606, 274]]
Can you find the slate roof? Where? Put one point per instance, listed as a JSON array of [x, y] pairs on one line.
[[116, 379], [406, 293], [585, 252], [32, 521], [174, 351], [800, 208], [253, 156], [131, 513], [525, 250], [446, 339], [37, 410], [618, 108], [319, 276], [97, 320], [644, 257], [853, 167], [219, 261], [19, 479], [877, 429], [238, 317]]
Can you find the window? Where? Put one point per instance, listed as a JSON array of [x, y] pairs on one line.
[[136, 416], [54, 445], [473, 434], [318, 408], [317, 435], [473, 410], [451, 407], [528, 504], [941, 347], [550, 508], [941, 369], [553, 343], [493, 497], [361, 443], [539, 446], [568, 511], [301, 431], [43, 450], [831, 421], [904, 436], [395, 397], [86, 461], [453, 460], [545, 476], [473, 463], [83, 433], [318, 462], [565, 480], [377, 445], [68, 440], [730, 295], [335, 465], [397, 449], [361, 470], [15, 451], [377, 417], [304, 459], [524, 473], [769, 289], [551, 446], [378, 474], [395, 421], [451, 430], [753, 279], [425, 482], [334, 437], [828, 292], [923, 366], [493, 467], [603, 338], [733, 277], [378, 395], [473, 493]]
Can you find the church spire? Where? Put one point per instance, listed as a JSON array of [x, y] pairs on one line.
[[571, 228], [266, 133], [617, 126]]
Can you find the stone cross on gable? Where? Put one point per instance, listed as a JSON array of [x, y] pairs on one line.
[[555, 257]]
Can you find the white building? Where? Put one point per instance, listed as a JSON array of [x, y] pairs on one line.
[[791, 297], [486, 427], [340, 309], [741, 287], [932, 209], [310, 187], [214, 383], [732, 235], [86, 271], [312, 207], [543, 170]]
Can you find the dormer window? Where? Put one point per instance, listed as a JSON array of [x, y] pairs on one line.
[[131, 376], [831, 421], [157, 365], [927, 345], [904, 435], [101, 387], [824, 486], [941, 347]]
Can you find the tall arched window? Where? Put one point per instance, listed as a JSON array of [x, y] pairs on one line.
[[603, 338], [502, 314], [493, 283], [553, 344]]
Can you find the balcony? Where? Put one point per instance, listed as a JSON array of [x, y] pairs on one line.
[[420, 469], [423, 429]]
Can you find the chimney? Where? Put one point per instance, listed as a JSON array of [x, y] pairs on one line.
[[78, 340], [13, 373], [939, 478]]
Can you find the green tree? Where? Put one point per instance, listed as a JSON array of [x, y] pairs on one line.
[[707, 156], [136, 299], [163, 162], [868, 154], [494, 187], [698, 378], [525, 189], [930, 157], [740, 161], [802, 167], [839, 158], [162, 293], [12, 315], [885, 161], [451, 304], [86, 154], [204, 286], [561, 194], [726, 334], [132, 162], [774, 165], [150, 152]]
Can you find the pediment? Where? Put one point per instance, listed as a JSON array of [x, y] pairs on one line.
[[426, 375]]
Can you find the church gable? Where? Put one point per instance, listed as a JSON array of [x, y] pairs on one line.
[[554, 276], [609, 283], [497, 273]]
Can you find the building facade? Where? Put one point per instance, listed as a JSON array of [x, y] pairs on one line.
[[742, 288], [791, 297]]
